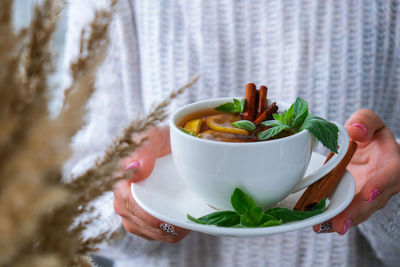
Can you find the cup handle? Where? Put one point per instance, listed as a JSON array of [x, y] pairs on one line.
[[343, 142]]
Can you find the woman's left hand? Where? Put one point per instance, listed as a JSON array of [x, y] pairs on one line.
[[375, 167]]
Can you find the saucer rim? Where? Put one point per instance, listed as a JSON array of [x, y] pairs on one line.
[[251, 232]]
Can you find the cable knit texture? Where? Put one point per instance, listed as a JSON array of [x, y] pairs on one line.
[[339, 55]]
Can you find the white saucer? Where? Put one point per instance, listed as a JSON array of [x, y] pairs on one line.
[[166, 197]]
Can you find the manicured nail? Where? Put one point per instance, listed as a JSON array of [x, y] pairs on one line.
[[347, 225], [325, 227], [373, 194], [133, 165], [168, 228], [362, 127]]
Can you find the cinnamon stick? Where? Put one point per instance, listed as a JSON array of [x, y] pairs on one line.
[[262, 100], [324, 187], [250, 96], [256, 104], [267, 114]]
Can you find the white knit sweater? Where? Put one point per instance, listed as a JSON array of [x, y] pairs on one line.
[[339, 55]]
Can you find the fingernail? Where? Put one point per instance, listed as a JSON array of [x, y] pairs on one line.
[[325, 227], [373, 195], [362, 127], [347, 225], [168, 228], [133, 165]]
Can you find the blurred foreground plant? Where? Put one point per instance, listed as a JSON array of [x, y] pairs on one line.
[[38, 211]]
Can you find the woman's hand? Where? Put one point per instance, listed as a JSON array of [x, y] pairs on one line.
[[375, 167], [134, 218]]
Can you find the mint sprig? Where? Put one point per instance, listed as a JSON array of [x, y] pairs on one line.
[[242, 202], [296, 119], [221, 218], [244, 124], [323, 130], [247, 214], [287, 215], [271, 132], [234, 107]]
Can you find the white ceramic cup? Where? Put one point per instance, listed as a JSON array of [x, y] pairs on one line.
[[268, 171]]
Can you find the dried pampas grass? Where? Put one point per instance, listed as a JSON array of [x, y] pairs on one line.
[[37, 210]]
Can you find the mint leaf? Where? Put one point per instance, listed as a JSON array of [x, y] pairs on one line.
[[271, 223], [320, 206], [252, 218], [244, 124], [269, 220], [323, 130], [271, 132], [186, 132], [237, 105], [220, 218], [241, 202], [242, 105], [230, 107], [288, 115], [267, 217], [272, 123], [287, 215], [278, 117], [300, 112], [227, 107]]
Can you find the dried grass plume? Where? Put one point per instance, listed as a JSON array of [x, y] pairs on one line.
[[38, 210]]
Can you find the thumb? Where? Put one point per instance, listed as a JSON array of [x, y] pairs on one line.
[[144, 158], [142, 162], [363, 124]]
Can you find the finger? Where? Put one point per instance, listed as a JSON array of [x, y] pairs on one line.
[[383, 179], [156, 229], [355, 213], [147, 221], [164, 232], [164, 148], [158, 138], [132, 226], [325, 227], [136, 220], [362, 125], [142, 162], [358, 211], [125, 205], [168, 233], [144, 158], [381, 186], [134, 229]]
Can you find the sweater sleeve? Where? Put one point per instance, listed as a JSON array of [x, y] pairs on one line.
[[383, 232], [116, 98]]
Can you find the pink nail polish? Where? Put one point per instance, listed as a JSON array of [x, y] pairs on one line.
[[373, 195], [347, 225], [362, 127], [133, 165]]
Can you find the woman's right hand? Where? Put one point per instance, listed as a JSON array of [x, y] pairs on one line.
[[134, 218]]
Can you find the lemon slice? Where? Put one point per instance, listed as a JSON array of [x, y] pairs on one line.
[[223, 123], [193, 126]]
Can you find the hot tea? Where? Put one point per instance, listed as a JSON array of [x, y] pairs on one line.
[[239, 121]]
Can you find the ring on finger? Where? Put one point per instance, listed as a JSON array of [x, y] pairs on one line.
[[168, 229]]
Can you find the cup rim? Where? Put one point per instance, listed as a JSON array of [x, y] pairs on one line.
[[174, 127]]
